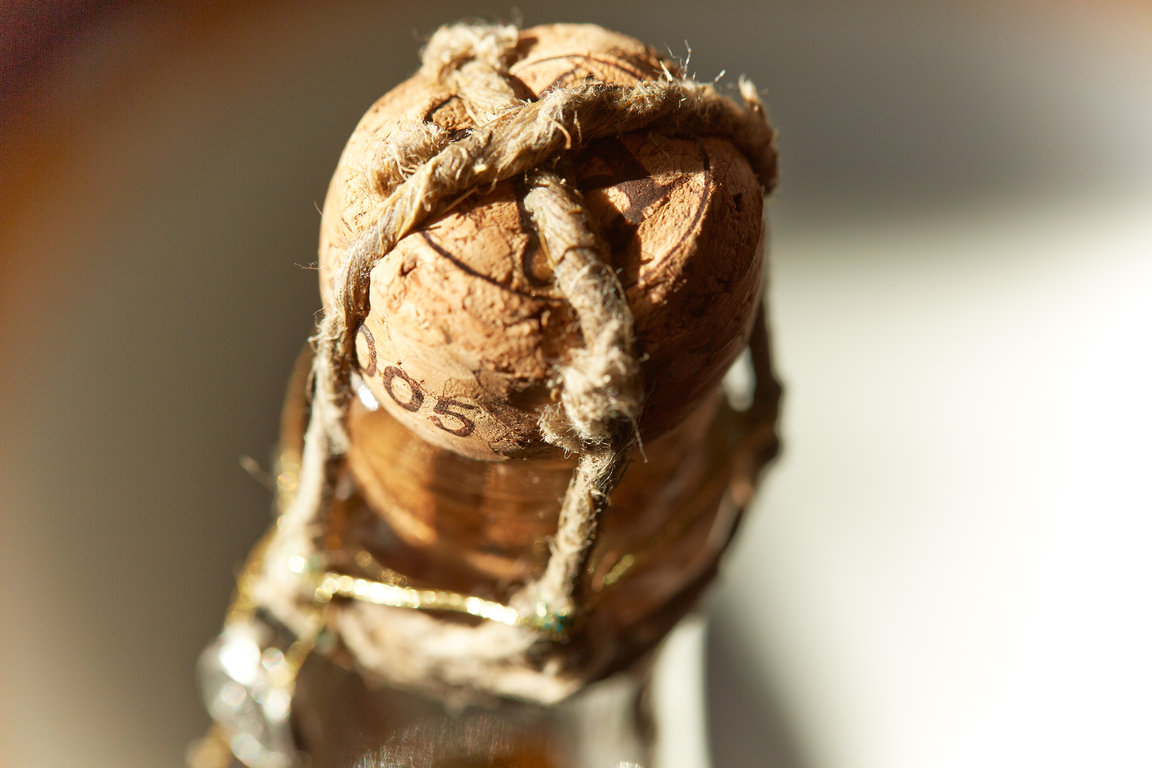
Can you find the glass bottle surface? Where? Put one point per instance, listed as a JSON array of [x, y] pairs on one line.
[[418, 515], [656, 549], [343, 721]]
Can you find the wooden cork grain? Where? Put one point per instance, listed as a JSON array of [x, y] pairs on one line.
[[465, 328]]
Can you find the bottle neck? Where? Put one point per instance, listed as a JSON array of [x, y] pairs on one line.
[[343, 722], [447, 521]]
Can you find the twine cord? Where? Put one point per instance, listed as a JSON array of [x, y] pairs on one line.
[[600, 399]]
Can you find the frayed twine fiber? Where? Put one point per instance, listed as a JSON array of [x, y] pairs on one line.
[[422, 172]]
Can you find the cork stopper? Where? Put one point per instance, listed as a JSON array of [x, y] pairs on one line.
[[466, 329], [544, 244]]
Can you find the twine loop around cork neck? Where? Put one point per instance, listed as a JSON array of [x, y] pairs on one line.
[[419, 171]]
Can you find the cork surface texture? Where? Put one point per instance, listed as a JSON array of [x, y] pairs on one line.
[[465, 328]]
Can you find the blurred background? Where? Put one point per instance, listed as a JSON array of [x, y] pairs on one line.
[[948, 566]]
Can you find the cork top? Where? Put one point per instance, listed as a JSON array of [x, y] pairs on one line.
[[466, 327]]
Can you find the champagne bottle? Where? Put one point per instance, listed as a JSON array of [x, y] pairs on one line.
[[509, 467]]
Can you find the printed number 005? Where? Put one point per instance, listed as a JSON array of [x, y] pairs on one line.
[[414, 399]]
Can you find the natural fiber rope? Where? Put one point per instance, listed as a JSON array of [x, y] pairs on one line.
[[600, 399], [422, 173]]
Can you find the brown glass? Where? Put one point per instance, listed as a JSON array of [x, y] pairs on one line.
[[438, 520], [443, 521]]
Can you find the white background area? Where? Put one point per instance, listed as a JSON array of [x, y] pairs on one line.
[[950, 565]]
